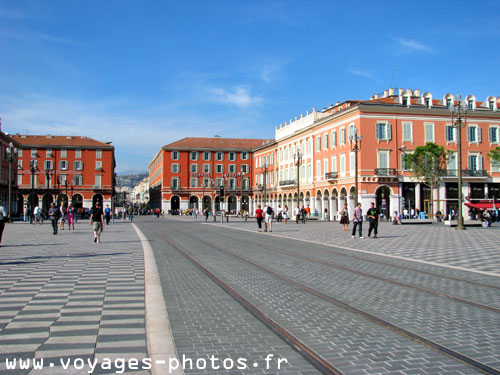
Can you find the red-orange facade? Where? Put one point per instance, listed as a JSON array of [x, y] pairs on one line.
[[189, 173], [78, 171]]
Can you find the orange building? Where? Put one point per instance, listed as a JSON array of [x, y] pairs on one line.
[[79, 171], [390, 124], [192, 170]]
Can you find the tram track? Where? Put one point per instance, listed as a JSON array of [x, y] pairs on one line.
[[302, 348], [381, 278]]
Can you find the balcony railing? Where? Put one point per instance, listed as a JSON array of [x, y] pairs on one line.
[[467, 173], [331, 175], [287, 182], [385, 172], [175, 187]]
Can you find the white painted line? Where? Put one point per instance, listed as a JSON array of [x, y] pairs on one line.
[[159, 336], [364, 251]]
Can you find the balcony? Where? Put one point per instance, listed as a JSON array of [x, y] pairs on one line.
[[287, 183], [385, 172], [331, 176], [175, 188], [467, 173]]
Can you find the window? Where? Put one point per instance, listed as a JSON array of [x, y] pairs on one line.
[[193, 155], [246, 183], [78, 179], [325, 141], [175, 155], [405, 101], [98, 180], [383, 159], [450, 133], [63, 153], [62, 179], [48, 165], [318, 144], [175, 183], [78, 154], [98, 154], [219, 182], [342, 165], [33, 153], [219, 156], [471, 104], [473, 134], [232, 168], [272, 159], [232, 184], [206, 155], [448, 103], [342, 136], [318, 169], [206, 168], [19, 179], [219, 168], [206, 182], [475, 162], [407, 132], [334, 164], [325, 166], [452, 164], [350, 132], [175, 168], [48, 153], [333, 139], [428, 102], [19, 164], [63, 165], [78, 165], [244, 156], [98, 165], [194, 168], [232, 156], [429, 131], [245, 168], [352, 163], [193, 182], [19, 152], [383, 131], [494, 134], [492, 105]]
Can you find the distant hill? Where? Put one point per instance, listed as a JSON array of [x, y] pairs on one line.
[[130, 180]]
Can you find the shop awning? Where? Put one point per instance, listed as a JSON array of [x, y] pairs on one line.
[[483, 205]]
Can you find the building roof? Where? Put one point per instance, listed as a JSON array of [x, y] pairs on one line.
[[196, 143], [58, 140]]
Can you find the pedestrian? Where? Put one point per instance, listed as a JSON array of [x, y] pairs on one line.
[[63, 215], [280, 213], [357, 219], [297, 214], [344, 218], [207, 213], [130, 212], [373, 218], [96, 220], [285, 213], [269, 218], [303, 214], [307, 213], [258, 215], [396, 219], [157, 213], [38, 214], [53, 216], [107, 214], [71, 218], [2, 222]]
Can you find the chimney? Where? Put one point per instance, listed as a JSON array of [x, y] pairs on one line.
[[386, 93], [337, 103], [400, 91], [416, 93], [375, 96], [391, 91]]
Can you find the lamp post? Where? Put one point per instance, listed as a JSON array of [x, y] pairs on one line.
[[265, 183], [458, 121], [356, 139], [242, 175], [33, 169], [11, 154], [297, 160]]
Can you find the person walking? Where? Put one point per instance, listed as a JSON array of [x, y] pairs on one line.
[[373, 218], [344, 218], [259, 216], [53, 216], [357, 219], [107, 214], [285, 213], [2, 222], [71, 218], [269, 218], [297, 214], [130, 212], [303, 214], [63, 215], [96, 220]]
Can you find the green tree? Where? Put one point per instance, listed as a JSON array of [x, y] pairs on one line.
[[428, 163], [494, 156]]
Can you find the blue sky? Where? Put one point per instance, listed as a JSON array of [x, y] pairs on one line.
[[145, 73]]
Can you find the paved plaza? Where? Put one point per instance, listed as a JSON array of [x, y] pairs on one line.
[[69, 300]]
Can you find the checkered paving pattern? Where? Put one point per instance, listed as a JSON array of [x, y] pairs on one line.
[[65, 298]]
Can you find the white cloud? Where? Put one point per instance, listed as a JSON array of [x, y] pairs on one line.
[[411, 45], [240, 96], [364, 73]]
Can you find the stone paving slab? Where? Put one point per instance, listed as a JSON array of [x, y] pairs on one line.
[[66, 298], [473, 249]]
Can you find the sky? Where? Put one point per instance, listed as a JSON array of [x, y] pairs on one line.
[[142, 74]]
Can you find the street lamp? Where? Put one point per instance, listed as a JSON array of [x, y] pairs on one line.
[[265, 182], [356, 139], [297, 160], [242, 175], [33, 169], [11, 154], [458, 121]]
